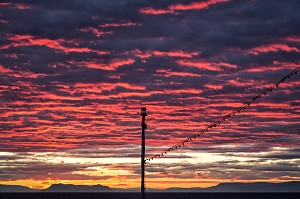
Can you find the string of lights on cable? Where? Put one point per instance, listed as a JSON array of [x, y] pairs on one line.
[[226, 117]]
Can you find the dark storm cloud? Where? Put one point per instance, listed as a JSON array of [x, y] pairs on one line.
[[197, 33], [55, 19]]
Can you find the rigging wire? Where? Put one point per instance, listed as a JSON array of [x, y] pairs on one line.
[[226, 117]]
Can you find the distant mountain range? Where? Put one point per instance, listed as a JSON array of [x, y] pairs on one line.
[[77, 188], [14, 188], [223, 187], [245, 187]]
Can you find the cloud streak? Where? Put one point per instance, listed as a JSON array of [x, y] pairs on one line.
[[181, 7]]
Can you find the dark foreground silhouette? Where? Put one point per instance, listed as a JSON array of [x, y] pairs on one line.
[[223, 187], [161, 195]]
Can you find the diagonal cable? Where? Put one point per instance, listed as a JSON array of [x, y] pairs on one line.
[[226, 117]]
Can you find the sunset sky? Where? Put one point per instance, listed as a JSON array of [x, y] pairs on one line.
[[74, 75]]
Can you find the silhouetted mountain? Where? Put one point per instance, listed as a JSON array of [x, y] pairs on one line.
[[257, 187], [15, 188], [223, 187], [127, 190], [77, 188], [245, 187], [177, 189], [136, 190]]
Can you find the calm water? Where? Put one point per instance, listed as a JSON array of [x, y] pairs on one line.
[[150, 195]]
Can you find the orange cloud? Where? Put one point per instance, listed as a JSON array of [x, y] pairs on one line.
[[154, 11], [112, 65], [173, 53]]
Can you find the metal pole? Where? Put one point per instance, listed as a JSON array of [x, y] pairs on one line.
[[144, 126]]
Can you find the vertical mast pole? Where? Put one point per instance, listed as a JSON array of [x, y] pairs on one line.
[[144, 126]]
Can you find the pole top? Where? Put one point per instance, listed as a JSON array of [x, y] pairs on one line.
[[143, 111]]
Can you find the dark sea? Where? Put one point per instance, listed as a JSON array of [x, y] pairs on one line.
[[150, 195]]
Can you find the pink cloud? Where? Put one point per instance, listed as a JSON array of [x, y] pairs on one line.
[[293, 39], [169, 73], [198, 64], [204, 65], [116, 63], [112, 65], [196, 5], [140, 54], [177, 53], [227, 65], [4, 70], [28, 40], [2, 4], [3, 21], [20, 6], [213, 86], [180, 91], [181, 7], [92, 90], [272, 48], [241, 83], [96, 31], [275, 66], [118, 24]]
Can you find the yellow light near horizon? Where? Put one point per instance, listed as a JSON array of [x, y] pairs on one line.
[[6, 153], [44, 184], [161, 183], [157, 183], [102, 171]]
